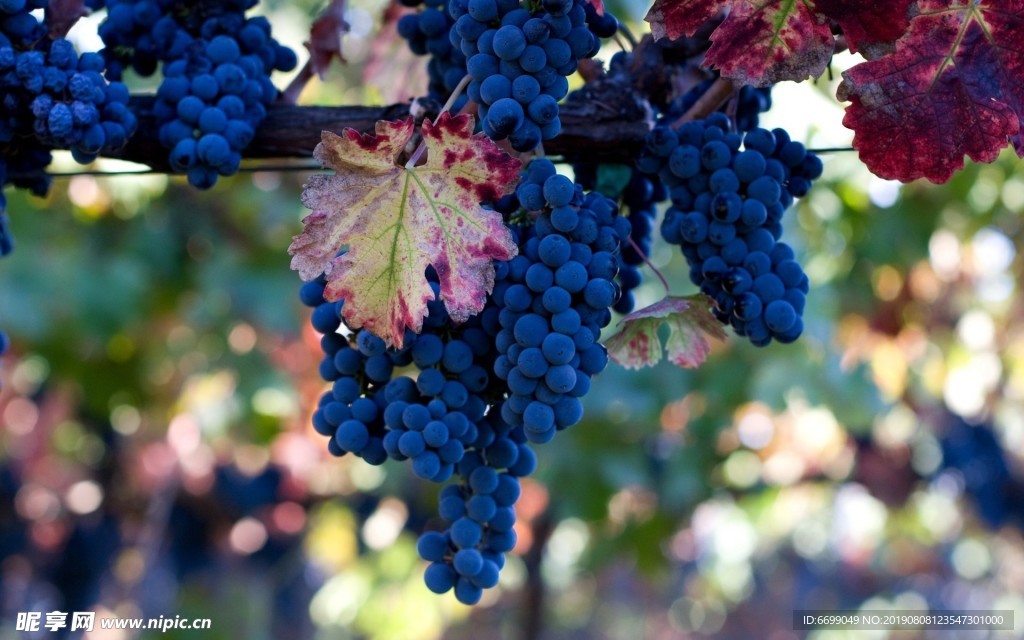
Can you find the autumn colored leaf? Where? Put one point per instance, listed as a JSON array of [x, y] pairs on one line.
[[771, 42], [953, 87], [674, 19], [689, 321], [758, 43], [397, 221], [871, 28]]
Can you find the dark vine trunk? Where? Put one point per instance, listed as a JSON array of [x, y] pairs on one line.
[[611, 130]]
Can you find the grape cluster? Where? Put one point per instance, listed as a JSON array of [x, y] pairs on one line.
[[61, 98], [479, 512], [216, 76], [51, 98], [428, 32], [374, 415], [551, 302], [974, 452], [438, 421], [639, 195], [519, 61], [75, 108], [727, 207], [554, 299]]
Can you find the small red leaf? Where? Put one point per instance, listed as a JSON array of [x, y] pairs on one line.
[[677, 18], [325, 37], [871, 28], [953, 87]]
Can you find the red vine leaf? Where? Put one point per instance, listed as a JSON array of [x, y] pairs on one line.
[[598, 6], [771, 42], [689, 321], [325, 37], [871, 28], [677, 18], [397, 221], [953, 87], [758, 43]]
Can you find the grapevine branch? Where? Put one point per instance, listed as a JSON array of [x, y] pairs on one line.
[[712, 99], [613, 134], [611, 127]]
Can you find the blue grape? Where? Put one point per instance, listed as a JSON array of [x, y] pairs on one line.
[[505, 116]]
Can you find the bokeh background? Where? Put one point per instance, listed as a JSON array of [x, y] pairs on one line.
[[157, 458]]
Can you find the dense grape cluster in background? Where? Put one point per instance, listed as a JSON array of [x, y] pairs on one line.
[[216, 75], [52, 99], [640, 192]]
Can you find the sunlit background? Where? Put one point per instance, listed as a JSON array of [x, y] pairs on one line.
[[157, 458]]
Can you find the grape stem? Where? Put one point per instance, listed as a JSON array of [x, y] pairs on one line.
[[831, 150], [626, 33], [291, 93], [648, 262], [712, 100], [422, 148], [733, 107], [619, 41]]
